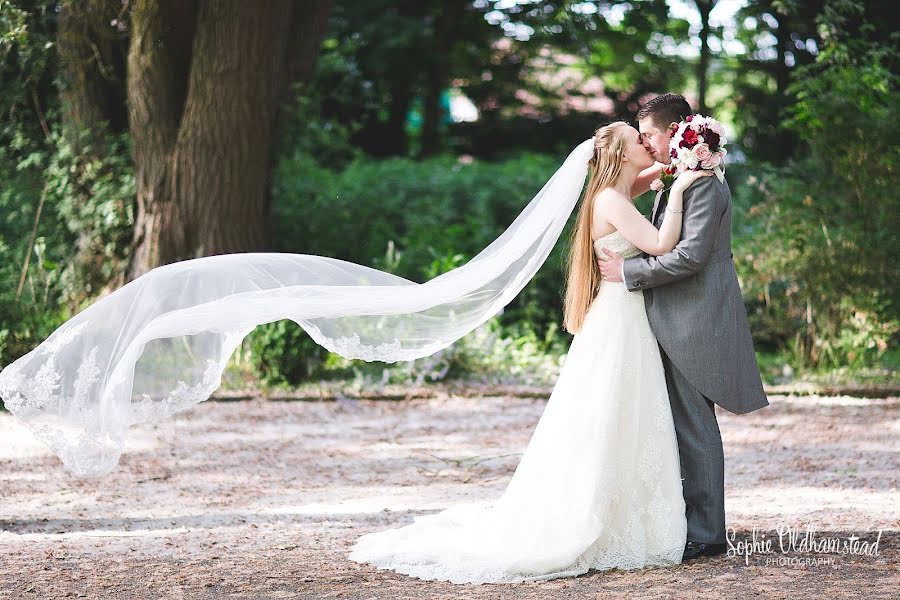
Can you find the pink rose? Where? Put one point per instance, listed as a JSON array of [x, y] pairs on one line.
[[702, 152], [713, 161], [657, 185]]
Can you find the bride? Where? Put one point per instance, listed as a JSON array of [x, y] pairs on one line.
[[599, 484]]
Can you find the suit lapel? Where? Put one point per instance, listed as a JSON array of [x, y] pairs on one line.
[[656, 204]]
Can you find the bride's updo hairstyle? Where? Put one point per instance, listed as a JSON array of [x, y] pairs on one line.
[[582, 272]]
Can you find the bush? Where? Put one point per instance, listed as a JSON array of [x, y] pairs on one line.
[[82, 235], [415, 219], [821, 259], [283, 354]]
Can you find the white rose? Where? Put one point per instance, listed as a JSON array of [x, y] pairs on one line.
[[687, 158]]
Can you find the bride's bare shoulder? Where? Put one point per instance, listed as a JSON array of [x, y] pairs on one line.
[[606, 204], [608, 198]]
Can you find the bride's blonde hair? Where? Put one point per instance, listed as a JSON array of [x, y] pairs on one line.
[[582, 272]]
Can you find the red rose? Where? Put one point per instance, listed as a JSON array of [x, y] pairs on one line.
[[689, 138], [712, 138]]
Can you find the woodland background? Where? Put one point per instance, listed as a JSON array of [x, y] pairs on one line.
[[406, 135]]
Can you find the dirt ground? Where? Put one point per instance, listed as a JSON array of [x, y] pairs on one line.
[[256, 499]]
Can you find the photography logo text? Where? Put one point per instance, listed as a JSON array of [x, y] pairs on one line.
[[785, 539]]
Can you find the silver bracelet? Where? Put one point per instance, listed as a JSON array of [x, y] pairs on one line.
[[674, 211]]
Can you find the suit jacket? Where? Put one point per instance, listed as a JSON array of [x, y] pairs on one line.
[[694, 302]]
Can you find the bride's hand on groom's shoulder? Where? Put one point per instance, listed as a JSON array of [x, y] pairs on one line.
[[685, 180]]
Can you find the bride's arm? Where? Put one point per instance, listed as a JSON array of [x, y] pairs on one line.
[[644, 179], [635, 228]]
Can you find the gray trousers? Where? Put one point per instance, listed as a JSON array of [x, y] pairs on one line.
[[701, 455]]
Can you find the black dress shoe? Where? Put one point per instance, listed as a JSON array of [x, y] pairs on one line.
[[697, 549]]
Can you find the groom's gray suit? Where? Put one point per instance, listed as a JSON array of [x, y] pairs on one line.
[[696, 311]]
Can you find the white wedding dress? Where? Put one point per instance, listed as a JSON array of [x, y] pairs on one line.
[[599, 485]]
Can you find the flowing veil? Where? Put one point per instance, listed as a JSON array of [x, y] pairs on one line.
[[159, 344]]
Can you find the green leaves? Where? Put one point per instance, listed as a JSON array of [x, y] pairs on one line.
[[824, 243]]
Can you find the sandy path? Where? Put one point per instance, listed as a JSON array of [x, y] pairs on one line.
[[257, 499]]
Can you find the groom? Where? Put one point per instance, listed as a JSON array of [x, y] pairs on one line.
[[695, 309]]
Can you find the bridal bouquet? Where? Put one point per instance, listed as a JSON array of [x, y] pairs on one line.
[[699, 143]]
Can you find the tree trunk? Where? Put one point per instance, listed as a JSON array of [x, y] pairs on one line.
[[395, 141], [783, 138], [704, 7], [92, 86], [782, 45], [205, 83], [437, 76]]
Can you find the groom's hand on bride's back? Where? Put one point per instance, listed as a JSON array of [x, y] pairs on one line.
[[611, 266]]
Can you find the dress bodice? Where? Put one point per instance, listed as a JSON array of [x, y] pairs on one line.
[[616, 242]]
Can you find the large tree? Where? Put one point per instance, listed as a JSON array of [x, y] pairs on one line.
[[205, 82], [704, 7]]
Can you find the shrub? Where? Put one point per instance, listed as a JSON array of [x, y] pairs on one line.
[[821, 260]]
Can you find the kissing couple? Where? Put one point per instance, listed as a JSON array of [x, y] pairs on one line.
[[625, 468]]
